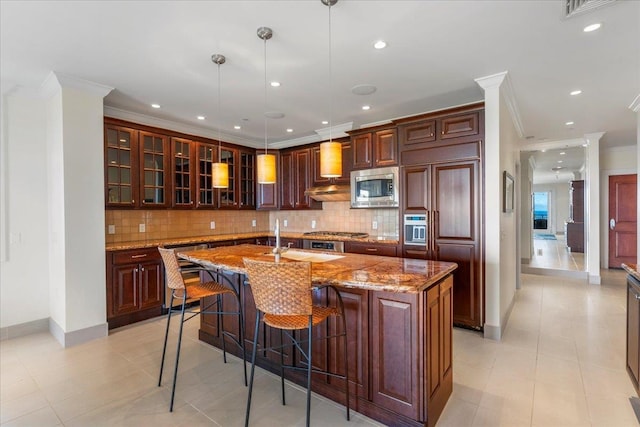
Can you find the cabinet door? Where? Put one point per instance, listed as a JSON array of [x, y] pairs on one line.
[[461, 125], [417, 133], [633, 330], [151, 284], [385, 148], [228, 197], [361, 151], [415, 186], [394, 364], [267, 197], [125, 289], [183, 168], [206, 193], [247, 180], [303, 180], [287, 181], [121, 166], [154, 166], [456, 234]]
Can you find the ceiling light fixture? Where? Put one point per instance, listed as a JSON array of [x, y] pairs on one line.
[[330, 152], [592, 27], [200, 117], [275, 84], [289, 130], [219, 170], [237, 127], [575, 92], [562, 153], [568, 123], [366, 107], [380, 44], [266, 164], [325, 122], [155, 105]]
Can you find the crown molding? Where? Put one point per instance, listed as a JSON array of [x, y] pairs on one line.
[[491, 81], [635, 105], [503, 81], [144, 119], [55, 81], [337, 131]]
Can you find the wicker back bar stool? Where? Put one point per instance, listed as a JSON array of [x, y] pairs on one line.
[[183, 292], [283, 297]]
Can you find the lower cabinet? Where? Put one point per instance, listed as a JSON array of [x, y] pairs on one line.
[[371, 248], [399, 351], [633, 330], [135, 286]]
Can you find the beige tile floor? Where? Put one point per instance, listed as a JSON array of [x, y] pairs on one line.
[[560, 363], [554, 254]]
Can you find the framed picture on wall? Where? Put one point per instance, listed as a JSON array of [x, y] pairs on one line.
[[507, 192]]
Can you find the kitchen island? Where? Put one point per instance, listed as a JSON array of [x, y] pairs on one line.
[[399, 326]]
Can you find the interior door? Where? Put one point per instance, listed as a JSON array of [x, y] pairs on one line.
[[623, 223]]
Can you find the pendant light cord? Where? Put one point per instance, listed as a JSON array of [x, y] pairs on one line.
[[330, 81], [219, 112], [265, 96]]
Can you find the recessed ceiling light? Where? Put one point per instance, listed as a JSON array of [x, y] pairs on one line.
[[366, 107], [289, 130], [155, 105], [275, 84], [324, 122], [568, 123], [562, 153], [543, 151], [559, 161], [592, 27], [200, 117], [575, 92], [237, 127], [380, 44], [585, 145]]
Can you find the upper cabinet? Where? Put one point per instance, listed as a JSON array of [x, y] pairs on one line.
[[136, 168], [374, 148], [294, 178], [346, 166], [145, 168]]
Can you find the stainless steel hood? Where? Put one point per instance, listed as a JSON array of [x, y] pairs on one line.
[[330, 193]]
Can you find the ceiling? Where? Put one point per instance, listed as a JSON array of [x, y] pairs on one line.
[[558, 165], [160, 52]]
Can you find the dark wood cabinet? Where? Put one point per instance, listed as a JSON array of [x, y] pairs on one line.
[[154, 169], [459, 125], [450, 195], [575, 226], [135, 286], [267, 194], [633, 330], [346, 166], [295, 178], [374, 148], [183, 168], [240, 194], [368, 248]]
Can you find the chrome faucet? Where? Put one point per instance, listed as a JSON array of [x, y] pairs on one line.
[[278, 250]]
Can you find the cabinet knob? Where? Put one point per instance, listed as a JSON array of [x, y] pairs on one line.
[[372, 249], [191, 202], [442, 132], [431, 134], [141, 268], [135, 270]]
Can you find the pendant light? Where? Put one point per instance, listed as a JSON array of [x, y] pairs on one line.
[[330, 152], [266, 163], [219, 170]]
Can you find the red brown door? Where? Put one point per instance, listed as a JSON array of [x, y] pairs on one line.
[[623, 222]]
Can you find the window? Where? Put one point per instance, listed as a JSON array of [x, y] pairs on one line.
[[540, 210]]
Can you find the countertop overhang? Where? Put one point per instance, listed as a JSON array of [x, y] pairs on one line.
[[372, 272], [632, 269]]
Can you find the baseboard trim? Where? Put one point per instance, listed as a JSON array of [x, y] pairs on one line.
[[80, 336], [23, 329], [492, 332]]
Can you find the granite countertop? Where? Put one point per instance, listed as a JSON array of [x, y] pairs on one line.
[[632, 269], [150, 243], [370, 272]]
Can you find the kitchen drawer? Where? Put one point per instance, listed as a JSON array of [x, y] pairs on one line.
[[371, 249], [134, 256]]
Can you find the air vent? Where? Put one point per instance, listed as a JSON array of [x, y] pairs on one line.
[[576, 7]]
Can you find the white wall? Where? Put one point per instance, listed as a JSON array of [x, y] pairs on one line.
[[526, 208], [24, 287], [558, 204]]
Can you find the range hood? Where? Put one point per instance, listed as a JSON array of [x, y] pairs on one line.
[[330, 193]]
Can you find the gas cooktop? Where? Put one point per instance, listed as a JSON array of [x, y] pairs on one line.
[[335, 234]]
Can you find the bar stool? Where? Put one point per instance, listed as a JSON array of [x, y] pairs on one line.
[[180, 291], [283, 296]]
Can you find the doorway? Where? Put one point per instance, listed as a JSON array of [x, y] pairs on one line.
[[623, 225]]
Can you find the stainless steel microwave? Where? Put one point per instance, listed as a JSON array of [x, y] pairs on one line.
[[374, 188]]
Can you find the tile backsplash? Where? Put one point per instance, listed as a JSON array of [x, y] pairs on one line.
[[168, 224]]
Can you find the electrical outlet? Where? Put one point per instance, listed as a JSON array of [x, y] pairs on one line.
[[111, 229], [142, 228], [253, 223], [285, 223], [313, 223], [212, 225], [374, 225]]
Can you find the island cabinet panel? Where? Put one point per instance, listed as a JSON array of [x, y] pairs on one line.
[[633, 330], [135, 286]]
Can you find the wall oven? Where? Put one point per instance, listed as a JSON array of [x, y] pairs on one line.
[[374, 188], [415, 229]]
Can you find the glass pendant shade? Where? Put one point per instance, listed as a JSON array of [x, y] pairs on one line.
[[266, 169], [331, 159], [220, 175]]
